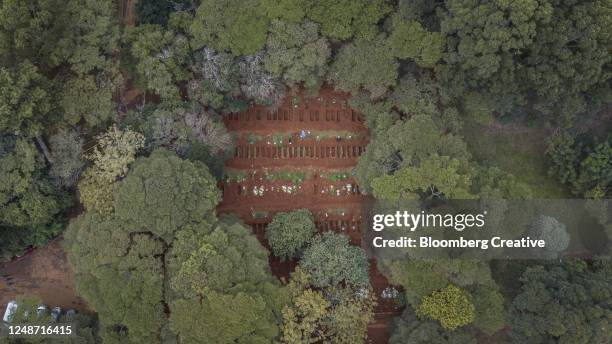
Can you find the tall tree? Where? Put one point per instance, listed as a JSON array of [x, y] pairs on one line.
[[179, 268], [364, 64], [568, 303], [297, 53], [289, 233], [236, 26], [331, 260], [345, 19]]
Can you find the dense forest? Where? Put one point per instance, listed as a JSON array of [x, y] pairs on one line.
[[448, 90]]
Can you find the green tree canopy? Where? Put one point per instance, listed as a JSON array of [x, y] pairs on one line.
[[289, 233], [312, 315], [57, 59], [409, 40], [331, 260], [451, 306], [236, 26], [177, 266], [345, 19], [27, 195], [367, 65], [569, 303], [436, 176], [556, 49], [297, 53], [408, 329]]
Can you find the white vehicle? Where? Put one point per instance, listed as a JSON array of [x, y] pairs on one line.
[[11, 308], [55, 313]]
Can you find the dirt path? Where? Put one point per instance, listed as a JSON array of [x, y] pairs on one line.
[[45, 273], [313, 138]]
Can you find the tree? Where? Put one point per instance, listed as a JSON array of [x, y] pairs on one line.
[[60, 52], [451, 306], [225, 288], [257, 84], [330, 260], [582, 163], [407, 143], [67, 153], [409, 40], [159, 57], [297, 53], [472, 277], [554, 49], [24, 100], [223, 318], [434, 177], [288, 233], [345, 19], [27, 195], [217, 80], [567, 303], [288, 10], [157, 12], [408, 329], [241, 29], [339, 315], [364, 64], [553, 233], [111, 156], [179, 267]]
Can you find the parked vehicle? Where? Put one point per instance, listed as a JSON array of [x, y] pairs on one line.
[[11, 308]]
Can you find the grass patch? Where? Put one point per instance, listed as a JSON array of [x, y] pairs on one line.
[[295, 177], [259, 214], [336, 176], [519, 150], [237, 176], [253, 139]]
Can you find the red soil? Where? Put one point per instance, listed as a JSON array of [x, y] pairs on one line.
[[336, 205], [45, 273]]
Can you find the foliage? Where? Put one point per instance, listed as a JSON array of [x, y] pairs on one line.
[[164, 193], [451, 306], [472, 277], [24, 100], [345, 19], [67, 157], [163, 234], [408, 329], [226, 288], [27, 195], [409, 40], [241, 29], [58, 65], [180, 128], [114, 151], [288, 233], [364, 64], [157, 12], [159, 57], [434, 177], [586, 167], [314, 315], [330, 260], [569, 303], [287, 10], [297, 53], [552, 231], [257, 84], [553, 48]]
